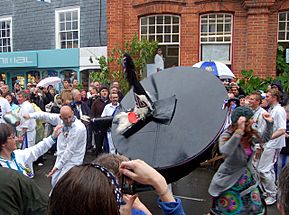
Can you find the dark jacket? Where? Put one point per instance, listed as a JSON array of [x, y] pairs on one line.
[[91, 100], [84, 109], [285, 150], [98, 106], [55, 109], [20, 194]]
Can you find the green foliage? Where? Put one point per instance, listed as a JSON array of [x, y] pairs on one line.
[[140, 50], [282, 68], [103, 75], [118, 75], [79, 87], [284, 78], [281, 65], [250, 83]]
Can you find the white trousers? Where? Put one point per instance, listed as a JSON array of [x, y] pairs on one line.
[[266, 171], [110, 143], [31, 135]]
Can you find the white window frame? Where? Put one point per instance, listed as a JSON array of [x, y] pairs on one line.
[[57, 25], [163, 25], [3, 19], [146, 35], [285, 30], [217, 38]]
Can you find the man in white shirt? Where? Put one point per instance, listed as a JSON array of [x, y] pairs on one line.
[[255, 100], [26, 128], [110, 110], [71, 143], [159, 60], [273, 147]]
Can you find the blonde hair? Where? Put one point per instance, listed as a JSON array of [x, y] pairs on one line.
[[276, 93]]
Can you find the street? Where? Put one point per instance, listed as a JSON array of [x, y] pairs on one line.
[[192, 189]]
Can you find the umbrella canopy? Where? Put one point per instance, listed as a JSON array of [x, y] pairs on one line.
[[175, 149], [49, 81], [219, 69]]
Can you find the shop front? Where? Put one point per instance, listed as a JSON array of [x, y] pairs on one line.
[[32, 66]]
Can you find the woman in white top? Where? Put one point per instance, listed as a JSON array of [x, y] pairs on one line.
[[21, 160]]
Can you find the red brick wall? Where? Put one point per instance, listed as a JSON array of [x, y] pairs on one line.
[[254, 29]]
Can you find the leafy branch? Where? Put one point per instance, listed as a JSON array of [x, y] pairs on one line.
[[140, 50]]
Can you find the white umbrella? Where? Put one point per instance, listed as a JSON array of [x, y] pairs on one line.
[[49, 81], [217, 68]]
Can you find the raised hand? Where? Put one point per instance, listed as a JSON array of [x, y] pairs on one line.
[[52, 172], [241, 123], [267, 117], [26, 116], [56, 131], [143, 173]]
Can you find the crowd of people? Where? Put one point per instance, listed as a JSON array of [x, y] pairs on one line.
[[254, 139], [254, 145], [65, 118]]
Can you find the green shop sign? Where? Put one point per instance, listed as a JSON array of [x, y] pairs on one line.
[[18, 59]]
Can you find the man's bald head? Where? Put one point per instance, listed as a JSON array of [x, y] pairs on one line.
[[66, 114]]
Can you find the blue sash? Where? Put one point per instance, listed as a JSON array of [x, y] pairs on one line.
[[24, 144]]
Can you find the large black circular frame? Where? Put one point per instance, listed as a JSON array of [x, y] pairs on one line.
[[178, 148]]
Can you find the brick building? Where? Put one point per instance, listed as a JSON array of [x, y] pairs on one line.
[[60, 38], [244, 34]]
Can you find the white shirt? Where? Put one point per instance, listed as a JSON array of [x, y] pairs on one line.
[[71, 145], [109, 109], [24, 158], [4, 108], [159, 62], [78, 107], [279, 117], [26, 108]]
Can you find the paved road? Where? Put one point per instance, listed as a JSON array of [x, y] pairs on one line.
[[192, 189]]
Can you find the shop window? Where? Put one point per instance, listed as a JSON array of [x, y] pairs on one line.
[[68, 74], [84, 77], [67, 28], [166, 30], [49, 73], [33, 77], [5, 34], [216, 37], [19, 78], [3, 77]]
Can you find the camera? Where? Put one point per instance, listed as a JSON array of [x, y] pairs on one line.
[[130, 187]]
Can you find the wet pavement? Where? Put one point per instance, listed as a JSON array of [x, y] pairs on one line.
[[192, 189]]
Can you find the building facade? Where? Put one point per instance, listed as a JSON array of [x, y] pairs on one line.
[[244, 34], [60, 38]]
